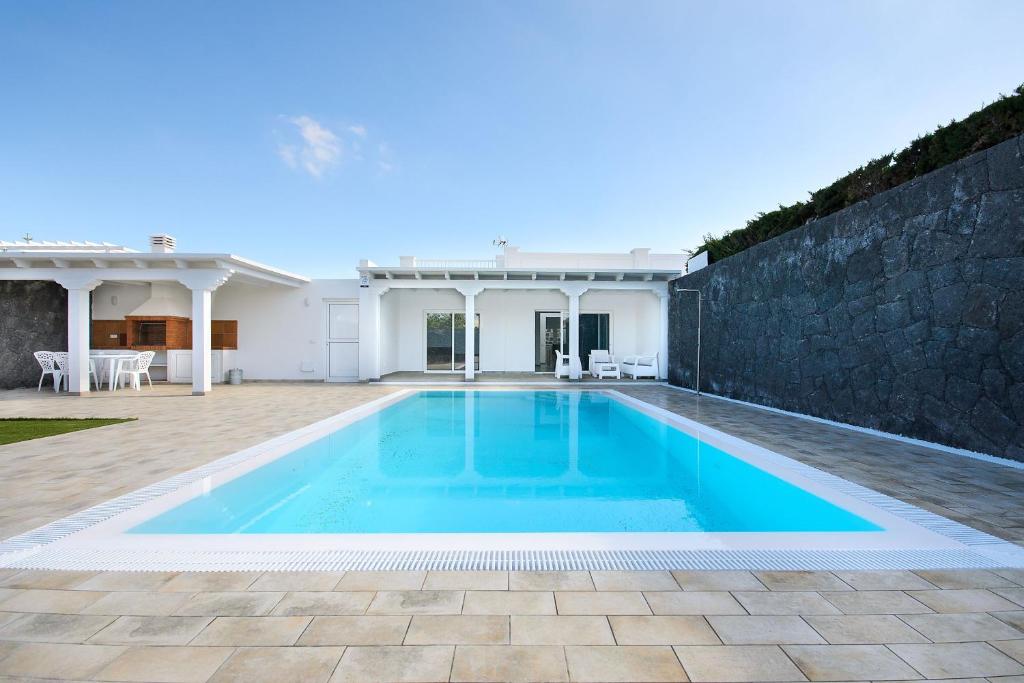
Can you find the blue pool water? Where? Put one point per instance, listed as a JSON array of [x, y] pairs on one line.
[[522, 461]]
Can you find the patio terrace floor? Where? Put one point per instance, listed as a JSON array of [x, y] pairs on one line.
[[476, 626]]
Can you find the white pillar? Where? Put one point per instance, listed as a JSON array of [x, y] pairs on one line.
[[470, 335], [369, 333], [575, 366], [202, 302], [202, 283], [78, 332], [663, 348]]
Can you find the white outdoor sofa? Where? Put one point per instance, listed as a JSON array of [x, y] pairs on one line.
[[640, 366]]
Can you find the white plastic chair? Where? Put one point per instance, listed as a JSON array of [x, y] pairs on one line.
[[561, 364], [135, 368], [640, 366], [48, 363], [61, 358]]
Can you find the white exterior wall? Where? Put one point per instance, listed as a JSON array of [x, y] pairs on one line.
[[507, 324]]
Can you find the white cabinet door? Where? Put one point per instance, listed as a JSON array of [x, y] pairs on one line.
[[179, 366], [342, 333]]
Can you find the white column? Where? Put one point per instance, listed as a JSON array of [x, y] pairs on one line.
[[369, 333], [575, 366], [202, 284], [202, 303], [663, 348], [78, 332], [470, 335]]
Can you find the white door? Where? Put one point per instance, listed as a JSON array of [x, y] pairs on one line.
[[342, 341]]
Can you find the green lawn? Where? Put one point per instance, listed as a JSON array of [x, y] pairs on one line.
[[14, 429]]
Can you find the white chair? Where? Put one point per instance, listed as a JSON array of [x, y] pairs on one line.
[[640, 366], [136, 368], [48, 363], [61, 358], [561, 364], [603, 365]]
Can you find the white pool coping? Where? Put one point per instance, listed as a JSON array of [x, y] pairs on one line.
[[912, 538]]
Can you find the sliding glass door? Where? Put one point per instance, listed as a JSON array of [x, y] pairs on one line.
[[446, 342], [551, 333]]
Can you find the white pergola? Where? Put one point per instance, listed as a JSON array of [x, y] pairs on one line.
[[472, 280], [80, 268]]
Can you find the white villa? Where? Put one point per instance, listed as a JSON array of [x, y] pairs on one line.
[[205, 313]]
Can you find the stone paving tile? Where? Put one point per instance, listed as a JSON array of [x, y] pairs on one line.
[[192, 582], [801, 581], [550, 581], [606, 603], [232, 604], [365, 630], [417, 602], [323, 603], [466, 581], [296, 581], [851, 662], [403, 664], [634, 581], [864, 629], [60, 661], [125, 581], [234, 631], [53, 628], [884, 580], [166, 664], [795, 603], [279, 665], [601, 664], [1013, 594], [381, 581], [718, 581], [512, 663], [509, 602], [1013, 574], [764, 630], [151, 631], [953, 660], [875, 602], [969, 600], [1014, 619], [54, 601], [961, 628], [964, 578], [560, 630], [1014, 648], [458, 629], [8, 617], [663, 630], [737, 663], [38, 578], [693, 602], [137, 603]]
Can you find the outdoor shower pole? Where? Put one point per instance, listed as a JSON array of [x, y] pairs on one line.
[[697, 291]]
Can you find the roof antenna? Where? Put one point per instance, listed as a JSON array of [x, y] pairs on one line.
[[28, 237], [500, 241]]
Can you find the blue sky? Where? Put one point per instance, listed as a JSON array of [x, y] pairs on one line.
[[308, 135]]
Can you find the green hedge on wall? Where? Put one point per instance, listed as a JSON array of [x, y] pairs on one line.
[[999, 121]]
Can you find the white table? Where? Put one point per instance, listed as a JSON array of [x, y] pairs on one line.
[[113, 362]]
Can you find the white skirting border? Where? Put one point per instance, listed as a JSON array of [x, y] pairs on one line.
[[30, 551]]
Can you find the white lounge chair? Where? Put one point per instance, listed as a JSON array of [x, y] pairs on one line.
[[640, 366], [561, 364], [48, 363], [61, 358], [603, 365], [135, 369]]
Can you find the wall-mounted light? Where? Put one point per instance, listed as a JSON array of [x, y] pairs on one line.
[[113, 300], [305, 302]]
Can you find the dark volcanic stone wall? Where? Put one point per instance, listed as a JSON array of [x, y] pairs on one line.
[[33, 317], [903, 313]]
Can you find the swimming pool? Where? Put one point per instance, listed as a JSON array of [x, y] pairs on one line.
[[507, 462], [505, 479]]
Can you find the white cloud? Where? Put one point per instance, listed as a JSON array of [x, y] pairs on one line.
[[319, 151], [358, 130]]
